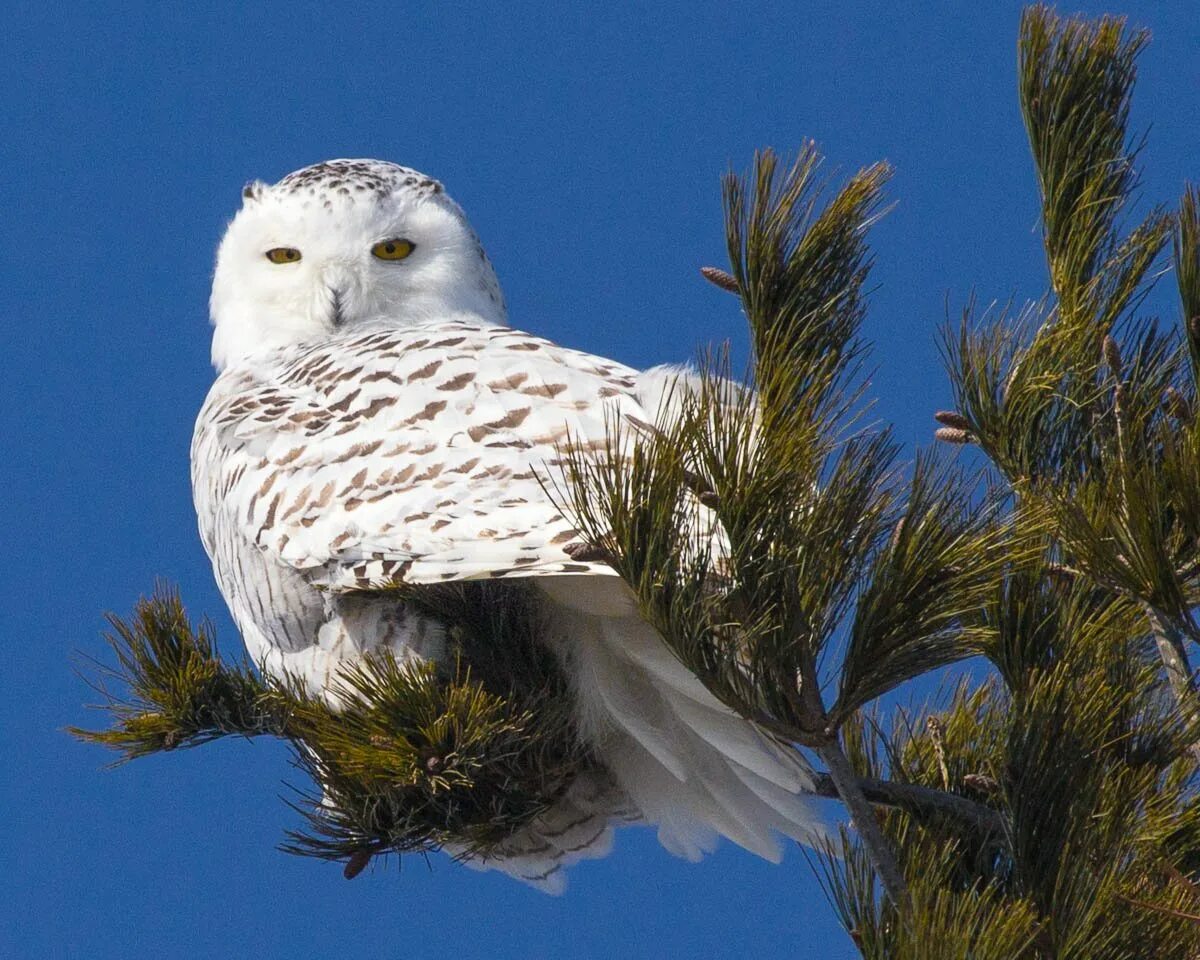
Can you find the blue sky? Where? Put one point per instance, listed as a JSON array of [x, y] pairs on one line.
[[586, 147]]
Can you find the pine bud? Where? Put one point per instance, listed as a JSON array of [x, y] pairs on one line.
[[951, 418], [357, 863], [697, 484], [981, 782], [1177, 405], [1060, 574], [1112, 355], [953, 435], [719, 278], [937, 734]]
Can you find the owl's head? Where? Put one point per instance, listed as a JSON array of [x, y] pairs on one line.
[[339, 244]]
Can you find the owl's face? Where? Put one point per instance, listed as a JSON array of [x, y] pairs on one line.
[[341, 243]]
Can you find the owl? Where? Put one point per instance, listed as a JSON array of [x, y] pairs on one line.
[[374, 422]]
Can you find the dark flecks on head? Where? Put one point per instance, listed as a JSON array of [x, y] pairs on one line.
[[376, 176]]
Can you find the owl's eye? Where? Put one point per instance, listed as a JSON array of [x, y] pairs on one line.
[[395, 249], [283, 255]]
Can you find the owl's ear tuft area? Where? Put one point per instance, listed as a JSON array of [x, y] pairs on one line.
[[253, 190]]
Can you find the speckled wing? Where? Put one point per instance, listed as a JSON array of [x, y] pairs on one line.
[[407, 454]]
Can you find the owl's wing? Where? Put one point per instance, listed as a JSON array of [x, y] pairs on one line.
[[416, 454]]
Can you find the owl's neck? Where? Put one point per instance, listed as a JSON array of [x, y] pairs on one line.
[[239, 340]]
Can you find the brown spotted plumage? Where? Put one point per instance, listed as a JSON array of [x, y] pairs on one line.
[[339, 465]]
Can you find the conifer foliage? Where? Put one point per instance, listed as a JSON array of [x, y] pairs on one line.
[[1047, 806]]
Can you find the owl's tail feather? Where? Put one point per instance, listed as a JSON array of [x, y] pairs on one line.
[[679, 759], [735, 782], [690, 765]]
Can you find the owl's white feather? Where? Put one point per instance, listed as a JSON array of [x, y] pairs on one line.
[[377, 421]]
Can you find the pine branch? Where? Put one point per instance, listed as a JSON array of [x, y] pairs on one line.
[[927, 802], [851, 792], [1186, 255], [800, 269], [980, 921], [1026, 390], [1107, 490], [179, 691], [1076, 80], [920, 607], [804, 508], [413, 757], [1172, 649]]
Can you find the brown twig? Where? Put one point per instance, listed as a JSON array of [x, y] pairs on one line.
[[915, 798], [1171, 649], [937, 736], [849, 789], [1158, 908]]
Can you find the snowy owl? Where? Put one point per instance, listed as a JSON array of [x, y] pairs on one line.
[[376, 420]]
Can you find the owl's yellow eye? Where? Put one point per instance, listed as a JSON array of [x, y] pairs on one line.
[[283, 255], [394, 249]]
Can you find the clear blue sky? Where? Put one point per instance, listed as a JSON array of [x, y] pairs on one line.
[[586, 148]]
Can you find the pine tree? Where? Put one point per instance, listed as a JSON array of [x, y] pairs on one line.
[[1047, 806]]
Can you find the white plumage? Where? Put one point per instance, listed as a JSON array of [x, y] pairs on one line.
[[375, 420]]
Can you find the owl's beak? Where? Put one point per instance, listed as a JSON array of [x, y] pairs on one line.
[[338, 318], [339, 283]]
